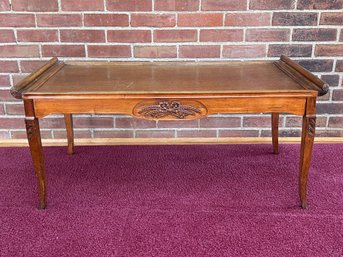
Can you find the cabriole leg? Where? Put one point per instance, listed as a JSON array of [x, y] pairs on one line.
[[307, 138], [68, 118], [34, 138], [275, 132]]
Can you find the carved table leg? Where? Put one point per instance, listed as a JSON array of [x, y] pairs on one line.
[[307, 138], [68, 118], [34, 138], [275, 132]]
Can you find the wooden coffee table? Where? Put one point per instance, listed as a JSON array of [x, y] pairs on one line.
[[170, 91]]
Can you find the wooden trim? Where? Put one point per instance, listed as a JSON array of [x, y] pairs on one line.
[[190, 95], [44, 107], [301, 75], [167, 141], [19, 88]]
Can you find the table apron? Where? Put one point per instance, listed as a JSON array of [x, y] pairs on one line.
[[44, 107]]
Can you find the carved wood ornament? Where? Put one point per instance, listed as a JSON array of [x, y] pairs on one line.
[[29, 129], [170, 109], [311, 126]]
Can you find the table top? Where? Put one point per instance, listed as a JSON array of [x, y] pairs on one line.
[[126, 78]]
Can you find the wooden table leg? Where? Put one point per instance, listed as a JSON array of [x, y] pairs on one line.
[[68, 118], [34, 138], [275, 132], [307, 138]]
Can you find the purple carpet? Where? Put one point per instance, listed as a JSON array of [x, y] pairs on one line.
[[216, 200]]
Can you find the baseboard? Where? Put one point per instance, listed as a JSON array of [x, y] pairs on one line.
[[167, 141]]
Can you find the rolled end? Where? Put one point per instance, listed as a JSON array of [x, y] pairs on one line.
[[24, 84], [16, 93], [324, 90], [315, 82]]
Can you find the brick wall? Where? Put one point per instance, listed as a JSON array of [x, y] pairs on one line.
[[310, 31]]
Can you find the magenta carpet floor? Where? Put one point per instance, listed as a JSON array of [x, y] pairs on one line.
[[217, 200]]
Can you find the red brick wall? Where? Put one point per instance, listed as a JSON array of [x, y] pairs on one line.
[[310, 31]]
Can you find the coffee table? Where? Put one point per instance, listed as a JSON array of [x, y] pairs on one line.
[[170, 91]]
